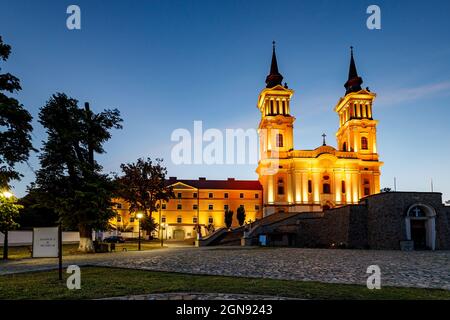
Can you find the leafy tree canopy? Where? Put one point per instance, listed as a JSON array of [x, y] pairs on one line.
[[143, 184], [15, 126], [70, 181]]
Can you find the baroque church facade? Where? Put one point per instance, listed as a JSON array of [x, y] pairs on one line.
[[326, 177]]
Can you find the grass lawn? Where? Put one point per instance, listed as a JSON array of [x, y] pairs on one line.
[[21, 252], [97, 282]]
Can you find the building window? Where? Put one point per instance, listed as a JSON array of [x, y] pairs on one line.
[[225, 207], [179, 219], [309, 186], [326, 188], [119, 218], [179, 195], [118, 205], [279, 138], [210, 220], [343, 186], [344, 146], [210, 195], [179, 207], [256, 207], [241, 195], [194, 207], [271, 106], [256, 196], [210, 207], [131, 219], [280, 186], [364, 143], [194, 220], [163, 219], [195, 195], [225, 195], [366, 191], [163, 206]]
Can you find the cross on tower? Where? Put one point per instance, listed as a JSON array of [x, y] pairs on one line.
[[324, 142]]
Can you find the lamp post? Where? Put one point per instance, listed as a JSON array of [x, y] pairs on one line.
[[7, 195], [139, 217], [160, 223]]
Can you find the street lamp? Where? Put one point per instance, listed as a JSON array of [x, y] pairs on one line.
[[7, 194], [139, 216]]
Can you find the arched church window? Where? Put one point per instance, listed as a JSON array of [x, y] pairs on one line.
[[279, 138], [280, 186], [344, 146], [326, 188], [364, 143], [343, 186]]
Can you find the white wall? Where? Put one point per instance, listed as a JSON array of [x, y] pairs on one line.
[[24, 238]]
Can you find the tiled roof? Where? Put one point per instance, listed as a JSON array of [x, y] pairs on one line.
[[229, 184]]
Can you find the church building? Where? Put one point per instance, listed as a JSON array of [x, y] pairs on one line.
[[326, 177]]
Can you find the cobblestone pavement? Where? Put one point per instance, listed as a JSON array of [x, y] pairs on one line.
[[198, 296], [424, 269]]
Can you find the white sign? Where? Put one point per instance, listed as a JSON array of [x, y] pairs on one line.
[[45, 242]]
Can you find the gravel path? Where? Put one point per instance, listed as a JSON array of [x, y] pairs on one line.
[[423, 269]]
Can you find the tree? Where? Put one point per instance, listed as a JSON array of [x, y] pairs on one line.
[[9, 211], [240, 215], [228, 218], [15, 126], [148, 224], [143, 184], [34, 213], [70, 181]]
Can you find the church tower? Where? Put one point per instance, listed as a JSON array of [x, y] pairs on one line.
[[276, 139], [276, 125], [357, 133], [357, 129]]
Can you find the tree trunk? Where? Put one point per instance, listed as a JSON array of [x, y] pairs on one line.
[[5, 246], [86, 243]]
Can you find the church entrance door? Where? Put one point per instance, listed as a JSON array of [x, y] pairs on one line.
[[419, 234]]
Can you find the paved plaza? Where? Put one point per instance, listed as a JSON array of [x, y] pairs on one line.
[[424, 269]]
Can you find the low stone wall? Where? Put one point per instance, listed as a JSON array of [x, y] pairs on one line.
[[386, 213]]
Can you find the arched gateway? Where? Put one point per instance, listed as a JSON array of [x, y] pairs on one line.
[[420, 222]]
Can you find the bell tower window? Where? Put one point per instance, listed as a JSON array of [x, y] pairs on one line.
[[279, 138], [364, 143], [344, 146]]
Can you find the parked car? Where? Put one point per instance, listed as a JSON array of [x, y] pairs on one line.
[[114, 239]]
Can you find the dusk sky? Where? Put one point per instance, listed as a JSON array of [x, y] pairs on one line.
[[165, 64]]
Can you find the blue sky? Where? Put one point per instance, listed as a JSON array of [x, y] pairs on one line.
[[166, 63]]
